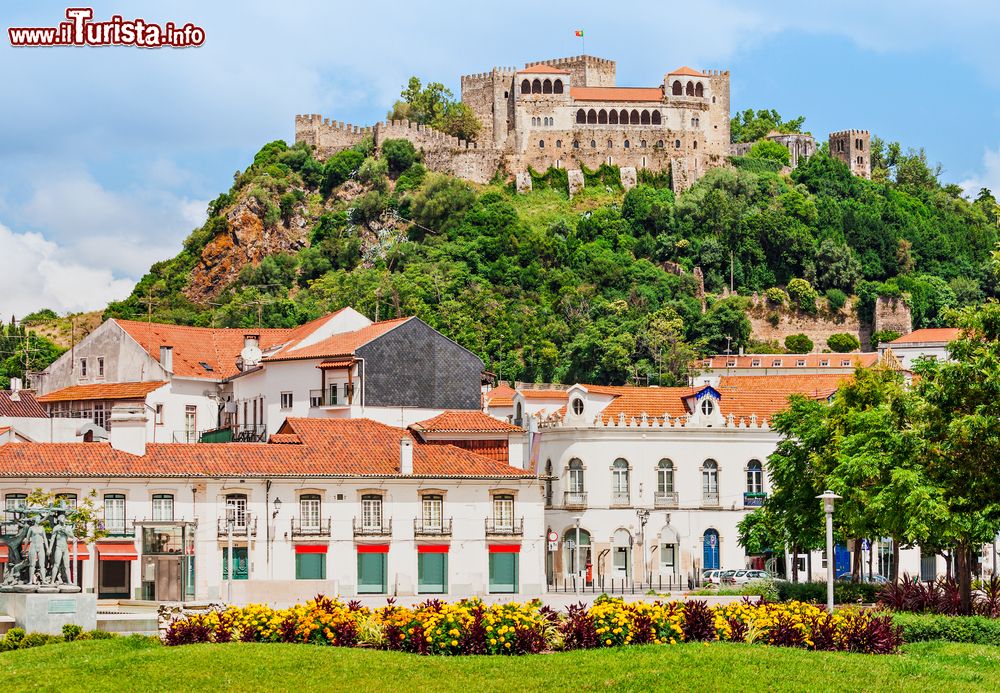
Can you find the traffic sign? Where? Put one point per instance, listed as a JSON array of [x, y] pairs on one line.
[[553, 536]]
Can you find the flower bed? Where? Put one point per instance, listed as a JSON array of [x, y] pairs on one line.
[[472, 627]]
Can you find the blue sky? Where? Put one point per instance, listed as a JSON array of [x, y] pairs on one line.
[[108, 156]]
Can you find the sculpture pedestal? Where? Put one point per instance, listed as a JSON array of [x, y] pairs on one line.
[[48, 613]]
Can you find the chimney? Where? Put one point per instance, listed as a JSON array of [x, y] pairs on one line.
[[167, 358], [128, 428], [406, 455], [15, 389]]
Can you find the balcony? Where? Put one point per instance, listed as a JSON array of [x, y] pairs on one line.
[[241, 530], [575, 500], [372, 529], [753, 500], [665, 499], [504, 528], [431, 528], [310, 528], [117, 528], [710, 499], [620, 499]]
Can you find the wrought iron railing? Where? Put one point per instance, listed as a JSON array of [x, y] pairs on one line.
[[310, 528], [371, 529], [117, 527], [504, 527], [753, 499], [710, 499], [246, 528], [665, 499], [431, 528], [575, 499]]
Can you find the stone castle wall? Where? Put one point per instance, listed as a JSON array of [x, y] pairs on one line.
[[892, 314], [585, 70], [327, 136], [818, 328]]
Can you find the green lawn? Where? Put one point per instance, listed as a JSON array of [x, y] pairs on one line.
[[130, 665]]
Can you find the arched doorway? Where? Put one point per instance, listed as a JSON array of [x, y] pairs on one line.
[[576, 556], [711, 549], [621, 555]]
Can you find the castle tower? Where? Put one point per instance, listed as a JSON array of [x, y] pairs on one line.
[[853, 147]]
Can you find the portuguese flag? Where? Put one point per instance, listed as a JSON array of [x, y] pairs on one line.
[[578, 33]]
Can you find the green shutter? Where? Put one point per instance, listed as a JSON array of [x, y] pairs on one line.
[[503, 573], [371, 573], [432, 573], [242, 565], [310, 566]]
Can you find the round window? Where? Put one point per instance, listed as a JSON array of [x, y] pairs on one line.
[[578, 406], [707, 407]]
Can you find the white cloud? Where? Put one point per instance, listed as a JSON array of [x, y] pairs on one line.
[[38, 274], [988, 177]]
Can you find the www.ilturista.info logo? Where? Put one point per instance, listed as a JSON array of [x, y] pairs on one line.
[[80, 30]]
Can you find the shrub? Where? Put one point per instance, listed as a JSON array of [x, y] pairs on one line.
[[37, 640], [884, 336], [372, 172], [399, 154], [771, 150], [940, 597], [798, 344], [836, 299], [776, 296], [71, 632], [411, 178], [803, 295], [843, 342], [339, 168], [972, 629], [843, 592], [774, 318]]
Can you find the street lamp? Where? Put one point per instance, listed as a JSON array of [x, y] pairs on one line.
[[828, 497], [277, 507], [643, 516]]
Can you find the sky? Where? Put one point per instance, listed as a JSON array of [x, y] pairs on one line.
[[109, 155]]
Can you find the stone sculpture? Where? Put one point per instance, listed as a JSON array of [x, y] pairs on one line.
[[38, 557]]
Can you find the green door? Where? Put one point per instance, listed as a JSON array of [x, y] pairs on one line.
[[310, 566], [503, 573], [371, 573], [432, 573], [241, 566]]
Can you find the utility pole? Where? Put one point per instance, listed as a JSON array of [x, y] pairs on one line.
[[732, 259], [149, 301]]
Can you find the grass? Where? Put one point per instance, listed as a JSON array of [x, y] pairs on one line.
[[541, 208], [140, 665]]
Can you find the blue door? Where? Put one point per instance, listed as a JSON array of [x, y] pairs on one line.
[[711, 550], [841, 559]]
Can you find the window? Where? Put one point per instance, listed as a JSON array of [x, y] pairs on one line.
[[707, 406], [602, 117], [158, 414], [610, 144], [100, 366], [236, 509], [657, 119], [83, 368], [755, 477], [731, 363], [286, 400], [541, 144], [371, 511], [310, 566], [800, 363], [578, 554], [846, 363], [432, 508], [558, 144], [659, 144], [577, 406], [525, 87], [581, 116], [576, 476], [593, 144], [665, 477], [547, 86], [190, 421], [557, 87], [114, 513], [576, 144], [755, 363], [536, 87], [627, 144], [668, 557], [824, 363], [677, 89], [689, 89], [776, 363], [699, 90], [677, 144], [333, 393], [163, 507], [15, 501], [710, 482], [592, 117], [548, 483], [694, 145], [315, 399], [503, 511], [101, 413], [619, 482], [309, 507]]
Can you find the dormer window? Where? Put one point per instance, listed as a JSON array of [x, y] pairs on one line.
[[776, 363], [824, 363], [706, 364], [577, 406], [731, 363], [800, 363], [846, 363], [707, 407], [755, 363]]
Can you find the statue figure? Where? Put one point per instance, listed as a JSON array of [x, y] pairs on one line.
[[16, 562], [59, 550], [37, 553]]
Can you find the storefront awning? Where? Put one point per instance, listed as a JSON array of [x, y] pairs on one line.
[[432, 548], [81, 555], [311, 548], [373, 548], [505, 548], [117, 552]]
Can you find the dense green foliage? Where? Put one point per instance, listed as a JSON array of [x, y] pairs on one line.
[[971, 629], [798, 344], [843, 592], [750, 125], [842, 343], [436, 106], [21, 351]]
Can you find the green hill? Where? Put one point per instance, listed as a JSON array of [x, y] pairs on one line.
[[551, 289]]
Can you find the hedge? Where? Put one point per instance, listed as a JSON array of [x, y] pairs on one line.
[[978, 630]]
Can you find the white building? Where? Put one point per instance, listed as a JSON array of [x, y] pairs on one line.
[[348, 507], [929, 342], [26, 419]]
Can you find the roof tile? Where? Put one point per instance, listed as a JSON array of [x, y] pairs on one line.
[[75, 393]]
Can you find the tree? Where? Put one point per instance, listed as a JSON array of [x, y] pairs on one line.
[[760, 533], [664, 339], [750, 125], [836, 266], [459, 121], [770, 150], [399, 154], [798, 344], [85, 516], [802, 295], [843, 342], [436, 106]]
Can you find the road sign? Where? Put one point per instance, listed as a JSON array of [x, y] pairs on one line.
[[553, 536], [866, 545], [553, 546]]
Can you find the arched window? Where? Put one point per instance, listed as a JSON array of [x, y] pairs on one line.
[[613, 117], [533, 121], [688, 91], [610, 144], [699, 90], [619, 482], [626, 144], [634, 118], [711, 549], [644, 118], [541, 144], [707, 406], [575, 493], [623, 117], [677, 144], [577, 548], [659, 143], [536, 87], [657, 118], [593, 144], [755, 477], [547, 86], [664, 478], [581, 116], [695, 144], [592, 117], [525, 87], [676, 90], [602, 117], [576, 144], [558, 144], [710, 482], [642, 144], [519, 414], [557, 87]]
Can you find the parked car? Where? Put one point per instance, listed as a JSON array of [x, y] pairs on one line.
[[877, 579], [711, 577], [742, 577]]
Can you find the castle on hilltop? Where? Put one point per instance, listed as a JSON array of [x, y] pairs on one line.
[[568, 113]]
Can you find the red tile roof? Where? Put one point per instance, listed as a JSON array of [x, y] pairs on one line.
[[343, 344], [76, 393], [465, 422], [688, 71], [500, 396], [216, 347], [930, 334], [25, 407], [327, 448], [788, 361], [616, 93], [542, 68]]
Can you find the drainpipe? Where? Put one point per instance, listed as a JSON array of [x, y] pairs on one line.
[[267, 525]]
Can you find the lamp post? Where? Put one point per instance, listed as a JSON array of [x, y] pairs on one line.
[[643, 516], [230, 521], [828, 497]]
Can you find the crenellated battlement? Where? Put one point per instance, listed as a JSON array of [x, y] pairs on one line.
[[846, 133], [588, 59]]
